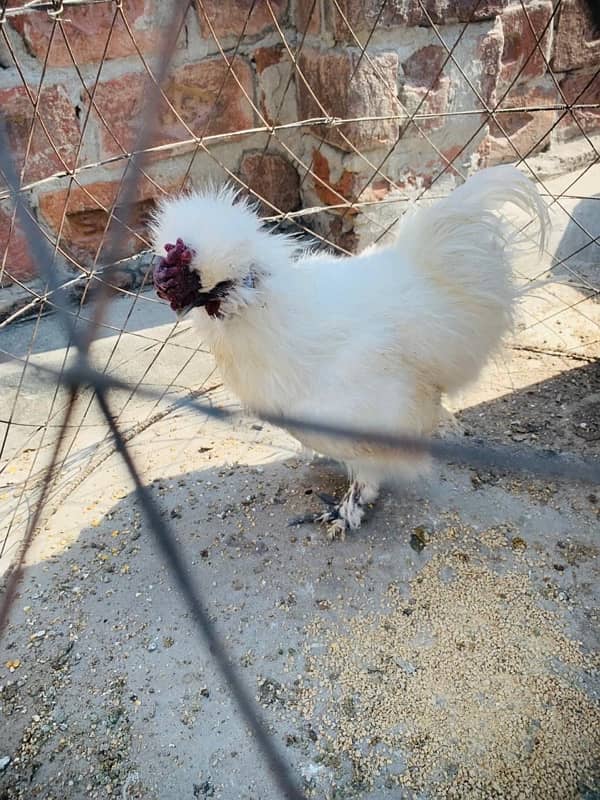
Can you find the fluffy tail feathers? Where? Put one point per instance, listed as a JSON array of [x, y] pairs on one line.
[[467, 248]]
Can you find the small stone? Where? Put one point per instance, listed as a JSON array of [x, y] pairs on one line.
[[152, 647], [4, 762], [517, 543], [419, 538], [269, 690], [205, 789]]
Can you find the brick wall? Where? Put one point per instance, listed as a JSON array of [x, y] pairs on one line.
[[94, 61]]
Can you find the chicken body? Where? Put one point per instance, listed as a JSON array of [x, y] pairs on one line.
[[367, 342]]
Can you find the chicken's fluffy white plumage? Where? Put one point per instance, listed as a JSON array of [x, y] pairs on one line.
[[371, 341]]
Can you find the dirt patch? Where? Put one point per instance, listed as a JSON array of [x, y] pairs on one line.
[[465, 687]]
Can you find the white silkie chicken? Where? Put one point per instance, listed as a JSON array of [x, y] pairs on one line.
[[370, 342]]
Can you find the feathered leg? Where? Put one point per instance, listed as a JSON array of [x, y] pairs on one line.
[[349, 513]]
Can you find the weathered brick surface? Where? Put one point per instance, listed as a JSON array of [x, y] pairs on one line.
[[339, 184], [520, 133], [340, 231], [527, 34], [307, 17], [120, 102], [18, 262], [273, 177], [87, 213], [87, 29], [205, 95], [476, 10], [265, 57], [425, 66], [208, 98], [46, 152], [425, 88], [359, 16], [276, 93], [577, 36], [231, 19], [347, 90], [330, 191], [409, 69], [581, 88], [489, 54]]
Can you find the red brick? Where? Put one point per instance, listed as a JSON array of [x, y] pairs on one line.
[[265, 57], [340, 231], [87, 29], [351, 186], [522, 57], [276, 93], [577, 36], [307, 17], [120, 101], [425, 87], [424, 67], [13, 244], [328, 191], [272, 177], [204, 94], [371, 92], [230, 19], [527, 131], [378, 189], [86, 218], [362, 15], [581, 88], [337, 229], [58, 115], [208, 98]]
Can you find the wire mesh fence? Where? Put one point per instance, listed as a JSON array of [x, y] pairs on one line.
[[336, 117]]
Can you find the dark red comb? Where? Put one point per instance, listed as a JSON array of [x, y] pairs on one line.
[[173, 279], [178, 253]]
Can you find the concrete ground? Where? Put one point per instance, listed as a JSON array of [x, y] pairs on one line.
[[448, 649]]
